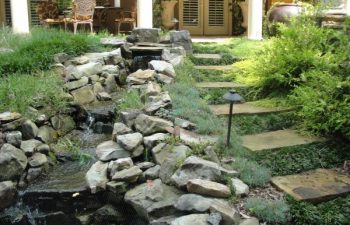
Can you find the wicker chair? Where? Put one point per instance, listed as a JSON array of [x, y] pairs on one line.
[[48, 13], [128, 17], [83, 13]]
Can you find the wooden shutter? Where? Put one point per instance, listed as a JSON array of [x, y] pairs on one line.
[[216, 13], [8, 12], [191, 12]]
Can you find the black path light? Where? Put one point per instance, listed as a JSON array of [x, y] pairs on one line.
[[232, 97]]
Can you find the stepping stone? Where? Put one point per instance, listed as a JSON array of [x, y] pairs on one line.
[[314, 186], [221, 68], [244, 109], [276, 139], [207, 56], [220, 85]]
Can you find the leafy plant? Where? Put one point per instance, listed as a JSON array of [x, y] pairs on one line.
[[73, 149], [272, 211]]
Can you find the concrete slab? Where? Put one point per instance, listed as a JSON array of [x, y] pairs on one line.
[[208, 56], [222, 39], [247, 108], [314, 186], [213, 85], [221, 68], [276, 139]]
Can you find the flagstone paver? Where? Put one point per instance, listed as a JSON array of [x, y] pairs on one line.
[[314, 186], [247, 108], [220, 85], [207, 56], [221, 68], [276, 139]]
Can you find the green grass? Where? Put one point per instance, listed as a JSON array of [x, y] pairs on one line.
[[19, 91], [226, 59], [211, 75], [297, 159], [35, 51], [129, 100]]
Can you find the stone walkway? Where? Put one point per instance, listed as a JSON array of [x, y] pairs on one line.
[[244, 109], [276, 139], [208, 56], [314, 186], [210, 39], [214, 85], [220, 68]]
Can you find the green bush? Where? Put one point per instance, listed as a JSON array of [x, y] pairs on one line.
[[335, 212], [271, 211], [35, 51], [251, 172], [19, 91]]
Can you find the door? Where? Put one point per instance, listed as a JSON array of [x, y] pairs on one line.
[[205, 17]]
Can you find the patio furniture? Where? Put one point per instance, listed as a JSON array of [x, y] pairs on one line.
[[48, 13], [82, 13], [128, 17]]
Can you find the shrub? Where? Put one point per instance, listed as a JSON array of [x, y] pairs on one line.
[[19, 91], [35, 52], [272, 211], [251, 172]]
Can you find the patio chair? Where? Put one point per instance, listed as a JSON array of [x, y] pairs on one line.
[[128, 17], [82, 13], [48, 13]]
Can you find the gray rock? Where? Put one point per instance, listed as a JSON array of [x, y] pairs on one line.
[[37, 160], [29, 130], [119, 164], [230, 216], [130, 175], [163, 151], [147, 34], [63, 124], [72, 73], [154, 103], [8, 194], [103, 96], [145, 165], [197, 168], [153, 199], [94, 78], [193, 203], [185, 124], [60, 57], [174, 58], [108, 215], [148, 125], [97, 88], [129, 116], [12, 162], [111, 41], [7, 117], [96, 177], [13, 125], [193, 219], [152, 173], [130, 141], [182, 38], [163, 220], [84, 95], [164, 79], [80, 60], [120, 129], [14, 138], [91, 68], [44, 149], [240, 187], [153, 140], [30, 146], [214, 219], [141, 77], [118, 188], [211, 154], [110, 83], [110, 150], [163, 67], [250, 221], [208, 188], [150, 89], [47, 134], [70, 86], [33, 174]]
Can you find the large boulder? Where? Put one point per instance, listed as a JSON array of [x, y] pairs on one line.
[[84, 95], [193, 219], [141, 77], [13, 162], [148, 125], [47, 134], [240, 187], [119, 164], [129, 175], [37, 160], [154, 139], [182, 38], [29, 130], [29, 146], [14, 138], [147, 34], [209, 188], [150, 89], [7, 117], [154, 103], [63, 124], [153, 199], [76, 84], [7, 194], [110, 150], [96, 177], [120, 129], [130, 141], [129, 116], [90, 69], [197, 168], [163, 67]]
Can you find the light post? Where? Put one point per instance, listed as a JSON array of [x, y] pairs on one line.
[[232, 97]]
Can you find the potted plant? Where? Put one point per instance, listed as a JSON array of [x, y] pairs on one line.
[[168, 7]]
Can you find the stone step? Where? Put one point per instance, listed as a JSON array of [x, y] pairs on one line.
[[207, 56], [214, 85], [247, 108], [277, 139], [314, 186], [189, 137], [220, 68]]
